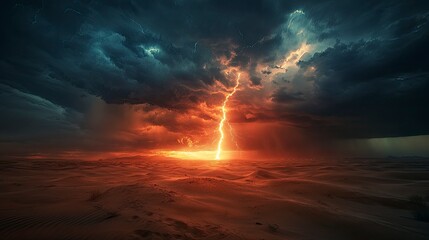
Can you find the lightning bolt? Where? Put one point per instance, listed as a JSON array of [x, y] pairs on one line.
[[222, 121]]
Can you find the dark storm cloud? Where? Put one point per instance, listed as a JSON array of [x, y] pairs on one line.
[[133, 51], [112, 58], [58, 59], [375, 87], [284, 96]]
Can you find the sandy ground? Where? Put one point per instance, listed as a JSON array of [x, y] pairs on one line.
[[177, 199]]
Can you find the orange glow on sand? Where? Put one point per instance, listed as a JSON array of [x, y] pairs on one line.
[[222, 121], [207, 155], [196, 155]]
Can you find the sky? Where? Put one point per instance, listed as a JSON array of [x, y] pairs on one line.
[[317, 78]]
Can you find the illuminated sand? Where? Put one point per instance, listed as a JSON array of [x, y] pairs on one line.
[[140, 198]]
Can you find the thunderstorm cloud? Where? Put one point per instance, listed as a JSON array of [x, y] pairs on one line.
[[92, 75]]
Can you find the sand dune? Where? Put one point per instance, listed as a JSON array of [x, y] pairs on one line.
[[174, 199]]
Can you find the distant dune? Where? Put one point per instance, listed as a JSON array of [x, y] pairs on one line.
[[177, 199]]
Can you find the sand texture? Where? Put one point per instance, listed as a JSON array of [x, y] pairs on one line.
[[140, 198]]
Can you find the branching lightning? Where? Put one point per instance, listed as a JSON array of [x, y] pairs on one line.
[[222, 121]]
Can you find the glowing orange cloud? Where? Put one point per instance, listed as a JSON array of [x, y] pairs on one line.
[[222, 121]]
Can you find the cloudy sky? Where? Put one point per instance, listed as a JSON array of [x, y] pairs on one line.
[[82, 78]]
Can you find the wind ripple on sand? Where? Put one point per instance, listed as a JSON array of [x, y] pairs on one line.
[[13, 226]]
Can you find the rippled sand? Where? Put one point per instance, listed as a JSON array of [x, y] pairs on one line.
[[141, 198]]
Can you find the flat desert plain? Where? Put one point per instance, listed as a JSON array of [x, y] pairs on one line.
[[153, 198]]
